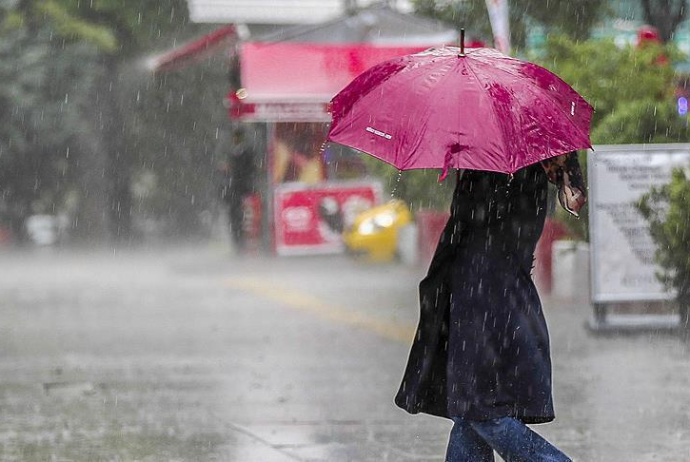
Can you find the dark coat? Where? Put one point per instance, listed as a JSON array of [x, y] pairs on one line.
[[481, 350]]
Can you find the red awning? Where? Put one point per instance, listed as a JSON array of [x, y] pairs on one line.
[[294, 81], [224, 37]]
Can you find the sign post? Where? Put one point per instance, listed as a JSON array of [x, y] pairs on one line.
[[623, 267], [500, 24]]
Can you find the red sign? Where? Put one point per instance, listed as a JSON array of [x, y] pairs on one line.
[[294, 81], [309, 72], [310, 220]]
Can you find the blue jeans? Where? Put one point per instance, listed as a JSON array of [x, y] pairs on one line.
[[475, 441]]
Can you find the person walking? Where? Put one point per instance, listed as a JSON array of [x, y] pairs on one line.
[[239, 172], [481, 355]]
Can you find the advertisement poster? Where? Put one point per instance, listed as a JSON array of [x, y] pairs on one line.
[[623, 264], [310, 219], [296, 153]]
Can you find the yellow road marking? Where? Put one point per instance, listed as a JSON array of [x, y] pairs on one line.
[[308, 303]]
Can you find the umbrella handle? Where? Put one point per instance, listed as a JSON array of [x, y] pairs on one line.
[[462, 42]]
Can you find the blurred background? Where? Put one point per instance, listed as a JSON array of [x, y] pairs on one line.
[[118, 119], [190, 273]]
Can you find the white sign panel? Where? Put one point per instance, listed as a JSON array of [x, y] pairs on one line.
[[272, 11], [623, 264]]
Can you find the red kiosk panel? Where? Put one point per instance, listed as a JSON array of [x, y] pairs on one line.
[[294, 81]]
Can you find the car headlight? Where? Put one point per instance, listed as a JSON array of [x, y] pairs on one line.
[[384, 220], [367, 227], [374, 224]]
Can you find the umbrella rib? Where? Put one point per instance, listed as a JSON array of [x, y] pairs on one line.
[[438, 88], [577, 129], [415, 148], [550, 98], [563, 113], [553, 101], [491, 104]]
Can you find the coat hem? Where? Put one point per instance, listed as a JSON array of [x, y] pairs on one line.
[[524, 418]]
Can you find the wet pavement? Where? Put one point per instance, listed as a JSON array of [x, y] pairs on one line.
[[194, 355]]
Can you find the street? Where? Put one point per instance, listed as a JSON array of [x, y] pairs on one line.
[[195, 355]]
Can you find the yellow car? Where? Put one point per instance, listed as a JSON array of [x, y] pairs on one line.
[[374, 233]]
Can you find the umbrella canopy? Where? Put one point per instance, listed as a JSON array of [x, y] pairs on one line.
[[450, 108]]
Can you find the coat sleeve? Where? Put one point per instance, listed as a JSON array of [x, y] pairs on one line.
[[564, 172]]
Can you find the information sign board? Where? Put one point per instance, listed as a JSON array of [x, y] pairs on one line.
[[623, 267]]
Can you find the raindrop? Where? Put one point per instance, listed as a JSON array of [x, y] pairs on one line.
[[397, 183]]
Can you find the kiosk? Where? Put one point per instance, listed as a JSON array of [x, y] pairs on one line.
[[285, 80]]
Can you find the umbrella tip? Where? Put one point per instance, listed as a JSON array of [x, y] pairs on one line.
[[462, 43]]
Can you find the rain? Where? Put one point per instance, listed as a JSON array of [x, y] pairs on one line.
[[345, 230]]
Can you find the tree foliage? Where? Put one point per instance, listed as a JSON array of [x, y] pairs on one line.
[[631, 88], [86, 130], [665, 16], [40, 115], [472, 15], [574, 18], [176, 128], [135, 27], [420, 189], [667, 209]]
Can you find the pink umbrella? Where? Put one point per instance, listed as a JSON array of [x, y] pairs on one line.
[[447, 108]]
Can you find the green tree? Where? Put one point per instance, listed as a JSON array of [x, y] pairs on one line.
[[133, 131], [121, 32], [668, 211], [665, 15], [574, 18], [135, 149], [40, 118], [179, 119], [134, 28], [473, 16], [630, 88], [420, 189], [643, 121]]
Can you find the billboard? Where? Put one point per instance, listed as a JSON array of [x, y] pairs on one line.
[[310, 219], [623, 267]]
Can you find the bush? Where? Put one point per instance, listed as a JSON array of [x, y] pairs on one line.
[[420, 189], [668, 211]]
